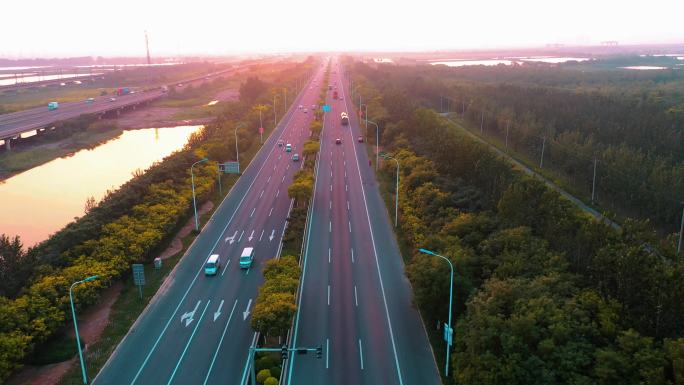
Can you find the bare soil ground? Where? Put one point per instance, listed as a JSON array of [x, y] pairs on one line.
[[91, 325]]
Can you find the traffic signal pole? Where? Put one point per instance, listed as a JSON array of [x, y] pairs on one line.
[[284, 353]]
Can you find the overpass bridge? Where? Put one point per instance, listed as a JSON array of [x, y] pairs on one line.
[[40, 119]]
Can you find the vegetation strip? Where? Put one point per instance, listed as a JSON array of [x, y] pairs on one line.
[[543, 293]]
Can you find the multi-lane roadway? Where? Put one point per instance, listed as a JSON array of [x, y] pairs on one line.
[[197, 328], [355, 299], [13, 124]]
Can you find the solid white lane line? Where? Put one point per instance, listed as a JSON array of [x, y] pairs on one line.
[[270, 212], [261, 236], [327, 353], [244, 372], [241, 234], [252, 214], [225, 329], [328, 295], [356, 297], [185, 350], [361, 353], [225, 268], [377, 263]]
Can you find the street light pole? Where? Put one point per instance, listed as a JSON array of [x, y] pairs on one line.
[[451, 292], [681, 230], [377, 144], [78, 338], [194, 203], [396, 197]]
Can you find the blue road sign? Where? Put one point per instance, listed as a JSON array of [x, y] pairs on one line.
[[230, 167], [326, 108]]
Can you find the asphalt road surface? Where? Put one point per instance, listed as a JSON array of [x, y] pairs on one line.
[[197, 328], [13, 124], [355, 298]]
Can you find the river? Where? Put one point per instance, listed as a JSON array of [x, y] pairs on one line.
[[40, 201]]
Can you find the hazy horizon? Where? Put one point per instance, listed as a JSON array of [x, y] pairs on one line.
[[71, 29]]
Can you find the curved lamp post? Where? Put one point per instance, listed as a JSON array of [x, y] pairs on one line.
[[194, 203], [396, 196], [377, 142], [73, 315], [451, 292]]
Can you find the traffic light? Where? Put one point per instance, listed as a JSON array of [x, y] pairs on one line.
[[283, 352], [319, 352]]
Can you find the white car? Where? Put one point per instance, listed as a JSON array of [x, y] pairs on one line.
[[300, 106], [305, 110]]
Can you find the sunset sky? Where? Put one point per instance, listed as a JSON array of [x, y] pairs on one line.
[[80, 27]]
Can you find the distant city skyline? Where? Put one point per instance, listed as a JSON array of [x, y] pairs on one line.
[[205, 27]]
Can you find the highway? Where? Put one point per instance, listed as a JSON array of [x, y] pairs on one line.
[[355, 299], [196, 330], [13, 124]]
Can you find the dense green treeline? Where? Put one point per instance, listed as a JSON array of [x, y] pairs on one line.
[[630, 124], [129, 225], [543, 293]]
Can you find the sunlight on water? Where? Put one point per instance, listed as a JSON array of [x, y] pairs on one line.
[[42, 200]]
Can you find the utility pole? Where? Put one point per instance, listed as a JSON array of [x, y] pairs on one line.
[[482, 123], [681, 230], [593, 183], [541, 161], [149, 62], [507, 126]]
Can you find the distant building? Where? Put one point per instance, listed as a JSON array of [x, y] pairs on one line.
[[609, 42]]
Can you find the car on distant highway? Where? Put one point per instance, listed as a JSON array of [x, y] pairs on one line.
[[306, 111], [280, 143], [338, 141], [360, 139], [288, 147], [211, 267], [90, 100], [246, 258], [112, 99], [295, 157]]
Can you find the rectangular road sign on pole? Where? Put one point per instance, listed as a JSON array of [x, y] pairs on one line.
[[448, 335], [231, 167], [139, 276], [326, 108]]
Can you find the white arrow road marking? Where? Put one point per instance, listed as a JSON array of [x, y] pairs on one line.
[[251, 236], [270, 238], [188, 317], [217, 313], [245, 313], [231, 239], [261, 236]]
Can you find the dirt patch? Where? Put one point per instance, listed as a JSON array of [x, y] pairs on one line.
[[91, 325], [155, 117], [177, 243]]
